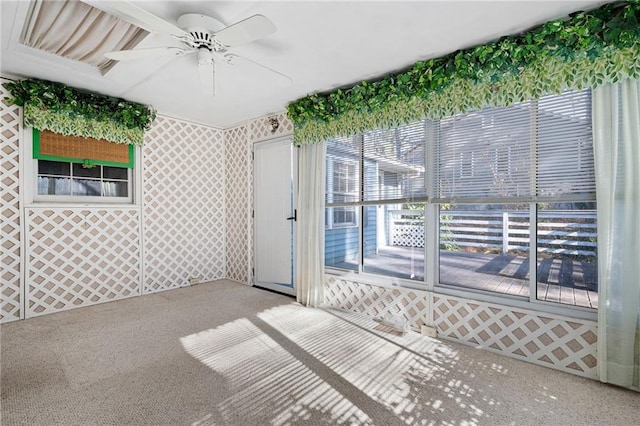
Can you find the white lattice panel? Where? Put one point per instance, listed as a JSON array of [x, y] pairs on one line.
[[238, 168], [10, 273], [184, 204], [80, 257], [408, 236], [260, 130], [377, 301], [564, 344]]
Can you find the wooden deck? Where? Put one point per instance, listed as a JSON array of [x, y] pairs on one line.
[[564, 281]]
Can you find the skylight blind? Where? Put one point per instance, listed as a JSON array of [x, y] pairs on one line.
[[394, 163], [78, 31], [540, 148]]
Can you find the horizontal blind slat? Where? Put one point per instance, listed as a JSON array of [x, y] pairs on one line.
[[394, 163]]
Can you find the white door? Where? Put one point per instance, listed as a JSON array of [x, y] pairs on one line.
[[274, 214]]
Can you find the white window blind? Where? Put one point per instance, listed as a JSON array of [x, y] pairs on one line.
[[343, 171], [565, 145], [485, 153], [394, 163], [390, 166], [540, 148]]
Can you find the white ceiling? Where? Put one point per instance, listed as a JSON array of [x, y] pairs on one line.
[[321, 45]]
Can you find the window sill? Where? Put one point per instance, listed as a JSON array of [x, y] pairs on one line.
[[337, 227], [538, 307], [376, 280], [76, 204]]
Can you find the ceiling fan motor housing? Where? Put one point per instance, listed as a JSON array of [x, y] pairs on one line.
[[202, 28]]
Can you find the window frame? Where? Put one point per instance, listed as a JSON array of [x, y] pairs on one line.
[[330, 222], [431, 281], [31, 196], [83, 198]]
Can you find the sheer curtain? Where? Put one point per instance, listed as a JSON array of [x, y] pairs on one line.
[[309, 247], [616, 125]]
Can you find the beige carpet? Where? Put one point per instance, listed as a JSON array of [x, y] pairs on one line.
[[223, 353]]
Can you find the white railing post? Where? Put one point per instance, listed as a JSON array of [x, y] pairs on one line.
[[505, 232], [392, 220]]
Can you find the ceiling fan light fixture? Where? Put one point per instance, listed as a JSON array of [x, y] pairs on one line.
[[206, 71], [199, 34], [204, 56]]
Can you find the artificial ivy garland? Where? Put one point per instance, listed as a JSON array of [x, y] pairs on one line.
[[585, 50], [74, 112]]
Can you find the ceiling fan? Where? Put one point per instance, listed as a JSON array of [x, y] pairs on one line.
[[203, 36]]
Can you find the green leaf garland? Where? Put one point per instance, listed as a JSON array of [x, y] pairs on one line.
[[587, 49], [69, 111]]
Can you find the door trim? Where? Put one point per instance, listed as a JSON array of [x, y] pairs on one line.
[[280, 288]]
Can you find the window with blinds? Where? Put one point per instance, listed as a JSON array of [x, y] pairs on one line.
[[535, 149], [343, 171], [390, 166], [394, 164], [509, 192], [71, 168], [564, 146]]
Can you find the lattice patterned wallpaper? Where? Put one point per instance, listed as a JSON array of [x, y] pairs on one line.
[[80, 257], [10, 129], [238, 205], [377, 301], [565, 344], [184, 204], [259, 129]]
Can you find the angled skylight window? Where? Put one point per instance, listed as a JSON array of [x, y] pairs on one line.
[[75, 30]]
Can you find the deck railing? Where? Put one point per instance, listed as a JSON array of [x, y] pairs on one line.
[[569, 232]]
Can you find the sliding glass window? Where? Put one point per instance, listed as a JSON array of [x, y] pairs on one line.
[[516, 187], [508, 192], [388, 238]]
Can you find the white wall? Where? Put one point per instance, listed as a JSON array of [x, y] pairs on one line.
[[10, 210], [62, 256], [191, 219], [183, 204]]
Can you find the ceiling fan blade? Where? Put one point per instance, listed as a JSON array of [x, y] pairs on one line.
[[241, 61], [152, 52], [206, 72], [246, 31], [137, 16]]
